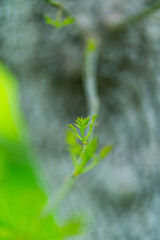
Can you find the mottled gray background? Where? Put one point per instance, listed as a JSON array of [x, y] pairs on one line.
[[122, 194]]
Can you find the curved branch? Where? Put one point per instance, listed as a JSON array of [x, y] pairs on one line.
[[90, 76], [137, 17]]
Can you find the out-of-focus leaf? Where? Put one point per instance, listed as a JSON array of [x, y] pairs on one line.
[[89, 150], [94, 118], [75, 131], [21, 196], [70, 138], [48, 19], [91, 165], [74, 225], [72, 127], [77, 149], [58, 23], [82, 122], [54, 23], [68, 21], [105, 150], [11, 121]]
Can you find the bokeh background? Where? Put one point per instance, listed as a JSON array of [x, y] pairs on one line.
[[122, 195]]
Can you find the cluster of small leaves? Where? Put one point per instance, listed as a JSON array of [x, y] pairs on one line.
[[82, 124], [84, 154], [60, 21]]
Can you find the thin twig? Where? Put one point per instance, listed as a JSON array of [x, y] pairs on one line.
[[90, 63], [60, 7], [52, 206], [137, 17], [90, 76]]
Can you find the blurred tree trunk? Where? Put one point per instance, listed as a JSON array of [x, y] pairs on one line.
[[125, 189]]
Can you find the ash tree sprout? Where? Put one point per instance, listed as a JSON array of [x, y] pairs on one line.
[[82, 144], [84, 154], [83, 150], [82, 124]]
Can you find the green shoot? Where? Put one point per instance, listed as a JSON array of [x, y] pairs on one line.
[[82, 124], [83, 155]]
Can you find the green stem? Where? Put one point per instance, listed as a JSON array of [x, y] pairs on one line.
[[60, 7], [138, 17], [82, 133], [90, 76], [74, 158], [53, 205], [79, 167], [90, 63]]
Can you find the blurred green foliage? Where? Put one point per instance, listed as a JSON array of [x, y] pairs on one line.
[[63, 16], [24, 210], [58, 22], [22, 198]]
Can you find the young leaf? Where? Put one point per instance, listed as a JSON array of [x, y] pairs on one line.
[[23, 197], [82, 122], [74, 225], [77, 125], [54, 23], [77, 149], [91, 126], [75, 131], [49, 20], [70, 138], [94, 119], [105, 150], [90, 166], [89, 151], [68, 21], [57, 22], [72, 127], [11, 119]]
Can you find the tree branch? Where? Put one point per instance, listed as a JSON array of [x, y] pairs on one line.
[[137, 17], [90, 76]]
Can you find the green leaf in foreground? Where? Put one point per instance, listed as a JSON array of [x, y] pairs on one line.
[[22, 195], [11, 120], [73, 225], [105, 151]]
